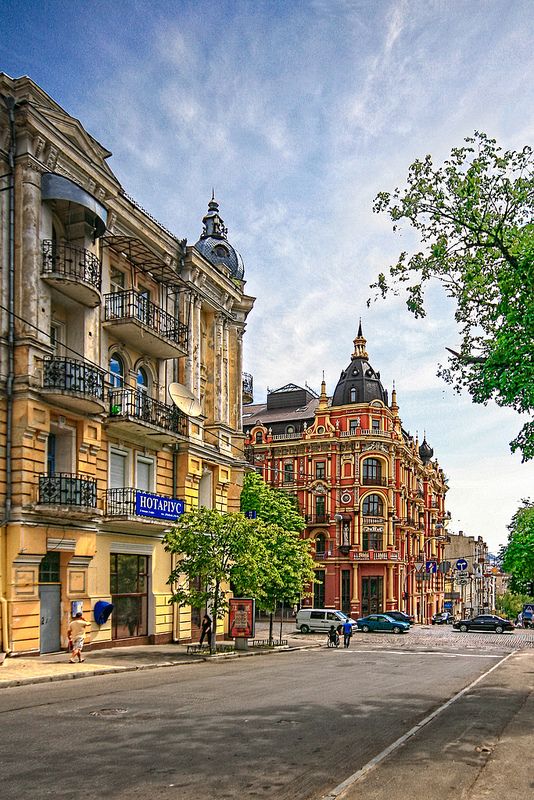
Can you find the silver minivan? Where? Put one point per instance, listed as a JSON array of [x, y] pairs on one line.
[[321, 619]]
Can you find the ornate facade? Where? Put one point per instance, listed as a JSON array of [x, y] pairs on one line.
[[102, 310], [372, 497]]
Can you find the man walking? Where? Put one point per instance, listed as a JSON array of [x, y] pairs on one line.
[[76, 632], [347, 632]]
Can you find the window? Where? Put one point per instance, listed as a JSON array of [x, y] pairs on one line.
[[116, 369], [144, 307], [289, 473], [116, 280], [354, 423], [320, 469], [375, 425], [259, 437], [60, 451], [345, 591], [372, 472], [318, 590], [320, 504], [129, 595], [372, 540], [118, 476], [51, 454], [49, 568], [144, 474], [373, 506], [353, 395], [141, 401], [142, 379], [317, 615], [320, 544]]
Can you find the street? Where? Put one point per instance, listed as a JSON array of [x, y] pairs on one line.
[[291, 725]]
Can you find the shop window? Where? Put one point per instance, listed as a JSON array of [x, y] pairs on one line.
[[129, 595]]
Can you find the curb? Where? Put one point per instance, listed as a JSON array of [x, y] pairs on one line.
[[114, 670]]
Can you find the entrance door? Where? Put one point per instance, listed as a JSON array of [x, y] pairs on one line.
[[318, 589], [372, 594], [50, 597]]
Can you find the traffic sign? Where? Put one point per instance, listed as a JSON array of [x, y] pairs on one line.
[[461, 564], [444, 567], [462, 580], [251, 514], [431, 566], [419, 566]]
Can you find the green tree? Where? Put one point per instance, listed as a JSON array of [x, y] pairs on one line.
[[474, 217], [510, 603], [208, 546], [288, 561], [518, 555]]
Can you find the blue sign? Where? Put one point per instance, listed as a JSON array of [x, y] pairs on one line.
[[155, 505], [461, 564], [447, 604], [431, 566], [251, 514]]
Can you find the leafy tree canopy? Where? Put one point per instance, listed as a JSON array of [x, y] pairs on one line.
[[518, 555], [271, 505], [510, 603], [474, 218]]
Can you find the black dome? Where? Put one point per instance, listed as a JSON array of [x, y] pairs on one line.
[[359, 383], [214, 245], [425, 452]]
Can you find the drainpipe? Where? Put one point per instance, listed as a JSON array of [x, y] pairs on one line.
[[9, 103], [175, 607]]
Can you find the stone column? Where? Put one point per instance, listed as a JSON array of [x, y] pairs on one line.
[[197, 345], [390, 594], [218, 367]]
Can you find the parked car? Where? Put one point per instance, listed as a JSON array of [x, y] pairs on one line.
[[321, 619], [442, 618], [382, 622], [484, 622], [401, 616]]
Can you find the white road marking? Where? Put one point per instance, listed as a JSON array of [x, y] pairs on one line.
[[442, 654], [341, 788]]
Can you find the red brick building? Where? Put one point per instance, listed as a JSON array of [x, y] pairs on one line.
[[372, 497]]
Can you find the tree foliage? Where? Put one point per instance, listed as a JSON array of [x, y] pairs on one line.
[[510, 603], [272, 505], [474, 218], [518, 555]]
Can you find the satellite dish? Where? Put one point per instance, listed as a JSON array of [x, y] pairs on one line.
[[184, 399]]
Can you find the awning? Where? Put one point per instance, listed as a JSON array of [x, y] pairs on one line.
[[57, 187]]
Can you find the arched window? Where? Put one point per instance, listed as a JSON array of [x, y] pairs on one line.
[[372, 472], [320, 544], [142, 379], [259, 437], [373, 506], [116, 369], [353, 395]]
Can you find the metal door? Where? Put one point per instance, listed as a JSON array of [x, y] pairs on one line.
[[50, 597]]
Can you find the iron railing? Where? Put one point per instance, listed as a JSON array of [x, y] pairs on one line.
[[121, 502], [317, 519], [138, 405], [72, 376], [64, 489], [132, 305], [369, 480], [71, 262]]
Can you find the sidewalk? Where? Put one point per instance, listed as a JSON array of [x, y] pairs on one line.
[[21, 671], [479, 747]]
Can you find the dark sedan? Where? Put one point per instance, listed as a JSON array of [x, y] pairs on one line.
[[400, 616], [484, 622]]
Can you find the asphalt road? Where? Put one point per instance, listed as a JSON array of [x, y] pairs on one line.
[[289, 726]]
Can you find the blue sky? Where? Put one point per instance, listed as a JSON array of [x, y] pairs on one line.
[[299, 113]]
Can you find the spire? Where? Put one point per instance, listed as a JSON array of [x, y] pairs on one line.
[[359, 344], [394, 407], [323, 399], [212, 221]]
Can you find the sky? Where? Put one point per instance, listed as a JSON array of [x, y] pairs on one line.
[[297, 114]]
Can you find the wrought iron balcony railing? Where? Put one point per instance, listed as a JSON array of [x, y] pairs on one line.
[[72, 376], [123, 502], [133, 306], [64, 489], [138, 405], [74, 263], [317, 519], [374, 480]]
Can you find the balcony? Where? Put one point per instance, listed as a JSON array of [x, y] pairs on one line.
[[317, 519], [248, 388], [135, 415], [73, 271], [374, 481], [143, 325], [65, 494], [74, 385], [125, 504]]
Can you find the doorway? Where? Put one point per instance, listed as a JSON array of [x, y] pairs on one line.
[[372, 594], [50, 604]]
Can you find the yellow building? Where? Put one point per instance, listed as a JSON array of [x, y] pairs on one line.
[[102, 310]]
